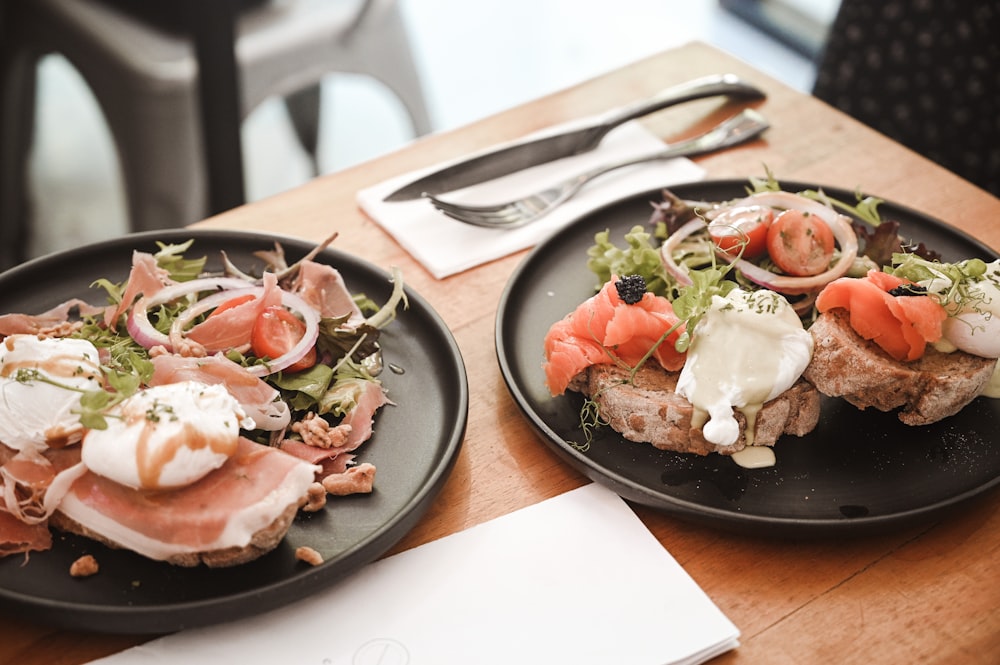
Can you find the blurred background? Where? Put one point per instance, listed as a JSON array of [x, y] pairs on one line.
[[473, 59]]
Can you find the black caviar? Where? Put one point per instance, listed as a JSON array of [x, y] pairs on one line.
[[631, 288]]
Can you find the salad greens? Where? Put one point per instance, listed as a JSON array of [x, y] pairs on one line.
[[331, 387]]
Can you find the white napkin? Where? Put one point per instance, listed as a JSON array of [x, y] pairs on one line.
[[574, 579], [445, 246]]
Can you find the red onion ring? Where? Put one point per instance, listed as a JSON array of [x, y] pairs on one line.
[[671, 243], [839, 224], [143, 332], [178, 325]]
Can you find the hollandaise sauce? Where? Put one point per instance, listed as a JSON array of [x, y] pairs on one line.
[[748, 348]]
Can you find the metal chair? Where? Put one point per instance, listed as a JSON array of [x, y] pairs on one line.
[[174, 95]]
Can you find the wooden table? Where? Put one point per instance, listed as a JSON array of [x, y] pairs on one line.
[[925, 594]]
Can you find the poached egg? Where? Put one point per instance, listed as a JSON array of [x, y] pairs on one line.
[[975, 328], [167, 436], [748, 348], [41, 381]]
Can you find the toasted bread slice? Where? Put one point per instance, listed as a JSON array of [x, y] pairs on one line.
[[263, 541], [232, 515], [925, 390], [647, 409]]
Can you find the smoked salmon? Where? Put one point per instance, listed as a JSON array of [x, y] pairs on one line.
[[604, 329], [901, 325]]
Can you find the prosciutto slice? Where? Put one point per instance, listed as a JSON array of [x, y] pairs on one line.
[[259, 399], [361, 418], [146, 278], [253, 490], [331, 461], [323, 287], [33, 324], [17, 537], [233, 327], [31, 484]]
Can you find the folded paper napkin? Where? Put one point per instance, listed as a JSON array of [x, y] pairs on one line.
[[445, 246], [574, 579]]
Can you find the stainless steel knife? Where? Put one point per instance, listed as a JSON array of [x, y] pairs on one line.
[[495, 163]]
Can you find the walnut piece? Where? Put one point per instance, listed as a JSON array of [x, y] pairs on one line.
[[59, 330], [308, 555], [85, 566], [315, 498], [315, 431], [356, 480]]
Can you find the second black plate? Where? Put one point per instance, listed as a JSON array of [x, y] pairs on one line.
[[857, 471]]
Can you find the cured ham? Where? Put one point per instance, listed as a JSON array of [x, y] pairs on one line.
[[258, 398], [35, 324], [369, 397], [31, 483], [331, 461], [232, 327], [146, 279], [323, 287], [233, 514], [17, 537]]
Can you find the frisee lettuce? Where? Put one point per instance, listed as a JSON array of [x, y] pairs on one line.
[[639, 257]]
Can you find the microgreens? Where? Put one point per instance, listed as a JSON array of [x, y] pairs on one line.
[[94, 403]]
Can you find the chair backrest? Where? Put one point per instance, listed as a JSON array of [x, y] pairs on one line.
[[926, 74]]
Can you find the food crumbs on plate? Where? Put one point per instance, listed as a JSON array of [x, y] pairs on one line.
[[309, 555], [85, 566]]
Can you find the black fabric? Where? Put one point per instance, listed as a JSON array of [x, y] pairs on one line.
[[924, 72]]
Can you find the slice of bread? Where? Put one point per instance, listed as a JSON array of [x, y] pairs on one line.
[[232, 515], [648, 410], [262, 542], [925, 390]]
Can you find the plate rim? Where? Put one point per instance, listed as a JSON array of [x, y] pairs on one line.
[[691, 511], [169, 617]]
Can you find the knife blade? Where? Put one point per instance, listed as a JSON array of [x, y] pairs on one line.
[[494, 163]]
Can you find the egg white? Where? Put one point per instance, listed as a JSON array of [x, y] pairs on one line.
[[166, 436], [975, 328], [37, 411]]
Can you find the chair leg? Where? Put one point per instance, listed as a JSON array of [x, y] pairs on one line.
[[17, 117], [400, 76], [304, 110]]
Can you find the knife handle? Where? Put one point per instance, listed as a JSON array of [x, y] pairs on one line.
[[716, 85]]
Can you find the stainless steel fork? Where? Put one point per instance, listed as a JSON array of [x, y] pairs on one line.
[[740, 128]]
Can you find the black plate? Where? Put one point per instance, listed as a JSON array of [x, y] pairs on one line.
[[414, 447], [858, 471]]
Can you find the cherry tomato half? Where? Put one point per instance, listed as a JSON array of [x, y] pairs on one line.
[[275, 332], [742, 227], [800, 244]]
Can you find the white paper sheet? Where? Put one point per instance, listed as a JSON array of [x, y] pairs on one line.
[[575, 579], [445, 246]]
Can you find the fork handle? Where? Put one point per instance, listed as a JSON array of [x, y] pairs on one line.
[[716, 85], [740, 128]]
